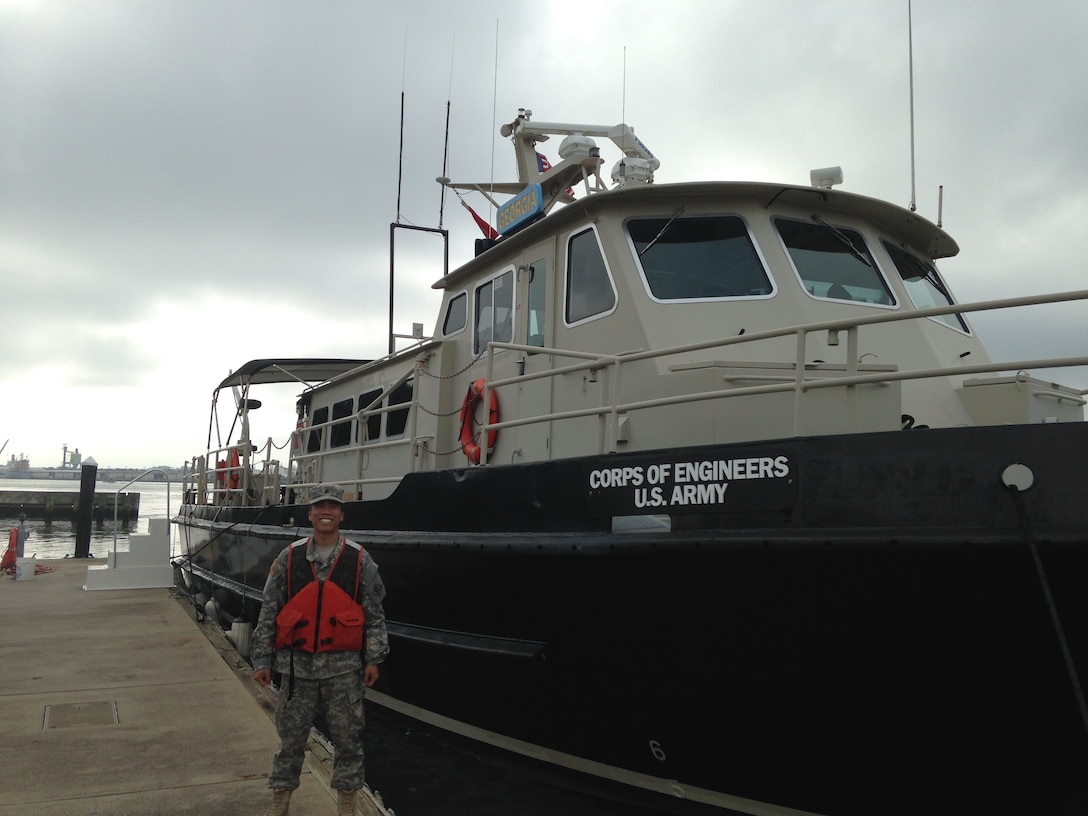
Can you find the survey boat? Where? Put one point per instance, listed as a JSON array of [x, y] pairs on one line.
[[705, 495]]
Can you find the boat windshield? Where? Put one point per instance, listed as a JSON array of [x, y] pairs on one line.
[[834, 262], [924, 285], [696, 258]]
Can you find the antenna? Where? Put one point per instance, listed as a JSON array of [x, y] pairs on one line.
[[445, 167], [494, 116], [910, 65], [623, 92], [446, 150], [395, 225], [400, 165]]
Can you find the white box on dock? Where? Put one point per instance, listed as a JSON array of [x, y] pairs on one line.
[[24, 569]]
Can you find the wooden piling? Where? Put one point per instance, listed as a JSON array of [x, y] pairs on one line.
[[87, 478]]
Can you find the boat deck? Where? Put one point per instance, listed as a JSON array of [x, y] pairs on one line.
[[120, 702]]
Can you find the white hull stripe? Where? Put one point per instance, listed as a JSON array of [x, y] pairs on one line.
[[667, 787]]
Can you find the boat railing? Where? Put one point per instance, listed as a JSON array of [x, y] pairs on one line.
[[361, 449], [204, 485], [234, 478], [307, 468], [359, 444], [611, 408]]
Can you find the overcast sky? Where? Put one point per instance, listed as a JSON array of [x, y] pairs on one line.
[[188, 184]]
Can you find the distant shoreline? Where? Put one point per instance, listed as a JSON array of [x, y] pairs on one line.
[[104, 474]]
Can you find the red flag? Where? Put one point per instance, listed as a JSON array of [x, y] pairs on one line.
[[543, 165], [485, 228]]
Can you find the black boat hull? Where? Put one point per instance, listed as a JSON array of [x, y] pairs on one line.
[[885, 628]]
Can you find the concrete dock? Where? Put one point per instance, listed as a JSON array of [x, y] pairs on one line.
[[118, 702]]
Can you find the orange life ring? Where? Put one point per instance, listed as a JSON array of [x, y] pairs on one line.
[[12, 551], [468, 419]]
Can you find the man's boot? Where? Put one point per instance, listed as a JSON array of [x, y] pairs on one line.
[[345, 803], [281, 800]]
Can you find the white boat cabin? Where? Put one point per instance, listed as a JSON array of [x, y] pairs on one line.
[[655, 316]]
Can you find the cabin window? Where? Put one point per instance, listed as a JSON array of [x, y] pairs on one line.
[[397, 420], [340, 433], [313, 438], [589, 286], [372, 428], [697, 258], [456, 314], [924, 285], [538, 293], [495, 311], [834, 262]]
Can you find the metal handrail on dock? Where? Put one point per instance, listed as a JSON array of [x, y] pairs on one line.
[[131, 482]]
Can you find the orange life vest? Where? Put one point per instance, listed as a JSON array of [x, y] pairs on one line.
[[322, 616]]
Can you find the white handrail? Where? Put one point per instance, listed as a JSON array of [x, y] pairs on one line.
[[797, 383], [117, 494]]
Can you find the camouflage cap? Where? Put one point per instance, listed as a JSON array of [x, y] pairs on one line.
[[326, 492]]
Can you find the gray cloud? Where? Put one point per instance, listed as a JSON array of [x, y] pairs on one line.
[[185, 184]]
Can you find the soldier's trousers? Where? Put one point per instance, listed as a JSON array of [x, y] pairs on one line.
[[340, 699]]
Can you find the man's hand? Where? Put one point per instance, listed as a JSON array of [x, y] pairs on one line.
[[263, 677], [370, 675]]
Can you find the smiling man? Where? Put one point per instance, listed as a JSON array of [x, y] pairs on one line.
[[322, 628]]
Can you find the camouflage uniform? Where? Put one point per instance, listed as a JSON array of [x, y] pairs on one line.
[[326, 682]]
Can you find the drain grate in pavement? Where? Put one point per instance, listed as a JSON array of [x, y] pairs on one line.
[[68, 715]]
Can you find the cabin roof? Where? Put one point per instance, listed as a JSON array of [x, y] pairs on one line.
[[290, 369], [913, 229]]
